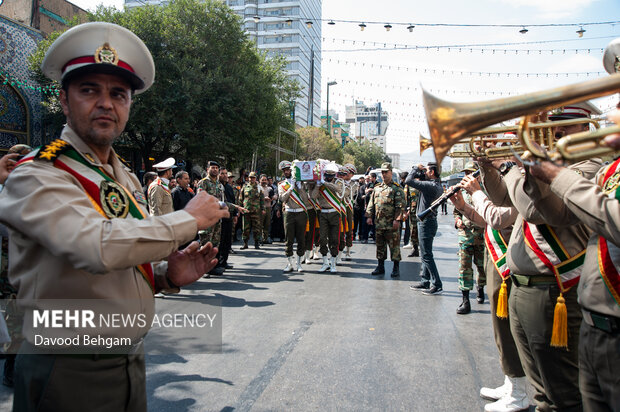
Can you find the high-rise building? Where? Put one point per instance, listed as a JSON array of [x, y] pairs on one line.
[[290, 28], [369, 123]]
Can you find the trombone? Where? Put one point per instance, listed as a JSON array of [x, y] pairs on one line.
[[449, 122]]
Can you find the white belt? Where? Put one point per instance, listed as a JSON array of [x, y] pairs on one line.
[[291, 210], [328, 210]]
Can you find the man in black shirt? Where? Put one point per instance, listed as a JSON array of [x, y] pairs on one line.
[[430, 189], [359, 208], [181, 194]]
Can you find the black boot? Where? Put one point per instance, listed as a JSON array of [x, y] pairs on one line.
[[256, 245], [380, 269], [465, 307], [415, 252], [396, 269], [480, 294], [245, 244]]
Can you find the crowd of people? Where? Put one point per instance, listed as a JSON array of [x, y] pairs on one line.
[[72, 209]]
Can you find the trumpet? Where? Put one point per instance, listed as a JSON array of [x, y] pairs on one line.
[[449, 122]]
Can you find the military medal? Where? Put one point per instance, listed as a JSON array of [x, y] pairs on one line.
[[114, 200], [612, 183]]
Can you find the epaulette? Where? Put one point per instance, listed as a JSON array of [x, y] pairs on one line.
[[52, 150], [124, 162]]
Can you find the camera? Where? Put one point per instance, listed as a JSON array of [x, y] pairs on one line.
[[418, 173]]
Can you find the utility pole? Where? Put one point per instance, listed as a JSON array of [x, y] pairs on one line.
[[333, 83]]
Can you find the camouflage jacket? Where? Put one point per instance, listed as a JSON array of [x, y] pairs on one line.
[[411, 198], [251, 197], [213, 188], [386, 203], [469, 225]]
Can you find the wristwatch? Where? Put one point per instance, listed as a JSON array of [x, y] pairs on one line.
[[505, 167]]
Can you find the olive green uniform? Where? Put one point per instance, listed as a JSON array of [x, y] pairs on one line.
[[411, 200], [599, 337], [329, 220], [295, 215], [471, 248], [252, 199], [214, 188], [386, 204], [312, 234], [553, 372]]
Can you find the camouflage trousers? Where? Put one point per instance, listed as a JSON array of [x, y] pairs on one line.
[[471, 248], [330, 229], [385, 238], [295, 228], [211, 234], [312, 234], [266, 223], [252, 219], [413, 227]]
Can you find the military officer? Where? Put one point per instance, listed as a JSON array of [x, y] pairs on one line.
[[212, 185], [349, 194], [471, 248], [326, 196], [160, 199], [544, 255], [79, 229], [313, 235], [251, 198], [293, 197], [386, 205]]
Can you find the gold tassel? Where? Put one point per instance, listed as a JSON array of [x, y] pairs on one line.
[[316, 224], [340, 225], [307, 225], [559, 336], [346, 224], [502, 301]]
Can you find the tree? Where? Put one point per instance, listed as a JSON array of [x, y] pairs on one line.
[[365, 154], [215, 95], [315, 143]]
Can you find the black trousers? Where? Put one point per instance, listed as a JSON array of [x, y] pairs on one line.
[[225, 240]]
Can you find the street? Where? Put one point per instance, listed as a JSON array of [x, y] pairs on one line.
[[323, 341]]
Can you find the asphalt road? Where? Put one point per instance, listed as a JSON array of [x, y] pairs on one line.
[[323, 341]]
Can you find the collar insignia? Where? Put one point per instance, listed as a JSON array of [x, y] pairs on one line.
[[106, 54]]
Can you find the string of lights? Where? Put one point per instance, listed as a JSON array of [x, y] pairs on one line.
[[423, 70], [8, 79]]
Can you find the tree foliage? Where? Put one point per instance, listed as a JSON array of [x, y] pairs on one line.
[[315, 143], [214, 96], [365, 154]]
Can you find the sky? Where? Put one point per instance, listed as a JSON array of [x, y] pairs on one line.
[[484, 62]]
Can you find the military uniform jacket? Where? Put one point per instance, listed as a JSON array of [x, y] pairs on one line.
[[285, 189], [411, 198], [62, 248], [160, 198], [599, 212], [318, 197], [252, 198], [536, 204], [386, 204]]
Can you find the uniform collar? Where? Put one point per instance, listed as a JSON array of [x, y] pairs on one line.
[[69, 135]]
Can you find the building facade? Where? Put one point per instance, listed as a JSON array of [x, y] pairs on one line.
[[289, 28], [368, 123]]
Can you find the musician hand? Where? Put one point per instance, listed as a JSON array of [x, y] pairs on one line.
[[613, 140], [457, 200], [369, 221], [470, 184], [545, 171], [7, 164], [278, 214]]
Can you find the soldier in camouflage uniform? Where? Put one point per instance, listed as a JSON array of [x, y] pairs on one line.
[[471, 247], [386, 205], [212, 185], [411, 201], [252, 199]]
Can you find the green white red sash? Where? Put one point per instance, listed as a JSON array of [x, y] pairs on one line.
[[159, 182], [91, 178], [608, 253], [546, 245], [286, 185], [332, 199], [497, 247]]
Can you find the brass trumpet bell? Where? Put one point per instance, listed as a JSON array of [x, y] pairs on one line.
[[449, 122], [424, 143]]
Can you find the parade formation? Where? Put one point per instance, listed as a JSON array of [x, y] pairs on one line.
[[536, 225]]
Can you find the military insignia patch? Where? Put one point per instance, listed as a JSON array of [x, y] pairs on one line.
[[612, 183], [106, 54], [53, 150], [139, 196], [579, 172], [114, 200]]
